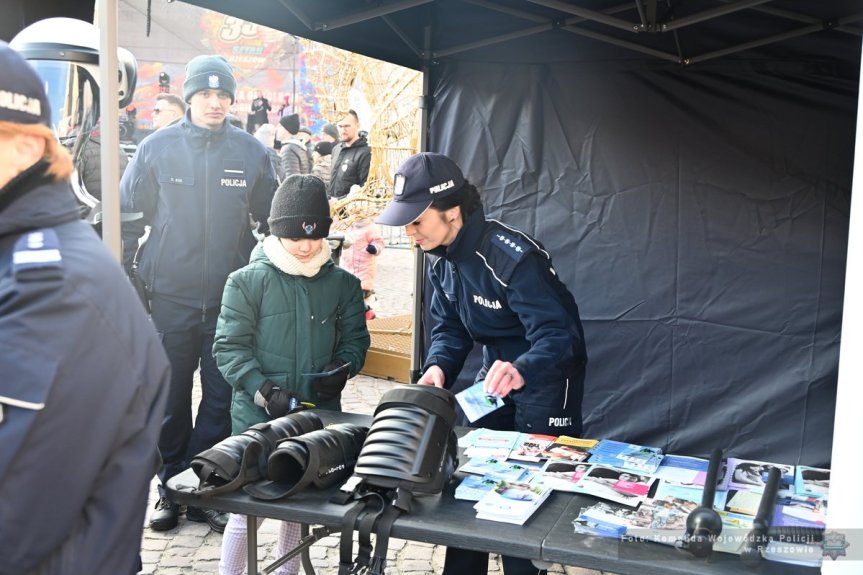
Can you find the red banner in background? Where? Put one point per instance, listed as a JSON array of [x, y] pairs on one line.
[[248, 47], [255, 52]]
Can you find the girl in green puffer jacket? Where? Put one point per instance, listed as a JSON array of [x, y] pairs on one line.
[[290, 333]]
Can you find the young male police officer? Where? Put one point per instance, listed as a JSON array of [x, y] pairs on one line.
[[195, 183]]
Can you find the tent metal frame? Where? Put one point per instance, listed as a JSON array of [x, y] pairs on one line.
[[648, 22]]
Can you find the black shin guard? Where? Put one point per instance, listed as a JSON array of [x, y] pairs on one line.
[[320, 458], [240, 459]]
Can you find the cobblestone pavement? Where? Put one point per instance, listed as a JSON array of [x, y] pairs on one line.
[[194, 548]]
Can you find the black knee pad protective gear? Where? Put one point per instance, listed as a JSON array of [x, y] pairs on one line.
[[411, 443], [320, 458], [411, 447], [240, 459]]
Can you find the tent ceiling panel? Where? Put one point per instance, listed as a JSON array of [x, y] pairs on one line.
[[683, 31]]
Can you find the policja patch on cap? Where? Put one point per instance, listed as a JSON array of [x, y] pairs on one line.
[[22, 97], [418, 181]]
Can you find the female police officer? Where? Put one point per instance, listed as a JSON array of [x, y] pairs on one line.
[[496, 286]]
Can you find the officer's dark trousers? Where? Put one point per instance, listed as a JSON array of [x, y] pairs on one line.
[[188, 341], [465, 562]]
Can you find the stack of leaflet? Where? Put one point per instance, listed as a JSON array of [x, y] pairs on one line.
[[562, 475], [801, 502], [499, 468], [659, 520], [512, 502], [531, 447], [488, 443], [615, 484], [682, 470], [474, 487], [626, 456], [569, 449]]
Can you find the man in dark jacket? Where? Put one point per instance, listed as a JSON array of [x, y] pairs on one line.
[[196, 184], [259, 113], [84, 377], [352, 158]]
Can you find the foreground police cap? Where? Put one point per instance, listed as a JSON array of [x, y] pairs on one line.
[[419, 181], [22, 96]]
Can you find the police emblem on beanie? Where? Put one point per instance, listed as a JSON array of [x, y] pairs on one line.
[[300, 209], [22, 97], [209, 73]]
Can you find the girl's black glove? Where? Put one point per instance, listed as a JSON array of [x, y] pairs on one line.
[[278, 402]]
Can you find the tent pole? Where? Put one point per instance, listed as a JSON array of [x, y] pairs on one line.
[[495, 40], [370, 14], [593, 15], [110, 118], [846, 506], [798, 17], [710, 14], [811, 29], [419, 255]]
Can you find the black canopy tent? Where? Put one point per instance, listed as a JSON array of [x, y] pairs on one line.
[[688, 164]]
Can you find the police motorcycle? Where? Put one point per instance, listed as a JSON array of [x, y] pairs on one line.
[[65, 54]]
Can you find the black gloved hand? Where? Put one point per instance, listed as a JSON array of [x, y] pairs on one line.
[[276, 401], [372, 249], [330, 386]]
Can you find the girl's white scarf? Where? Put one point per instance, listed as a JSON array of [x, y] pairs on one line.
[[283, 260]]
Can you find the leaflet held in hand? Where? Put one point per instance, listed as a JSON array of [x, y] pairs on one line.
[[476, 403]]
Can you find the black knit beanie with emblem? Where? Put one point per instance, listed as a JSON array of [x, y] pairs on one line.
[[209, 73], [300, 209]]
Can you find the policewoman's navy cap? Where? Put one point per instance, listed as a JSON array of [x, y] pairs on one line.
[[22, 95], [420, 180]]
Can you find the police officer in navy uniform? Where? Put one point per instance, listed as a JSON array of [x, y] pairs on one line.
[[83, 375], [195, 183], [496, 286]]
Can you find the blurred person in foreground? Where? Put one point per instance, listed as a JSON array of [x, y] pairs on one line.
[[496, 286], [84, 376]]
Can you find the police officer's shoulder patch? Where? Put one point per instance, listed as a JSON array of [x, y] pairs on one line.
[[503, 248], [512, 244], [36, 256]]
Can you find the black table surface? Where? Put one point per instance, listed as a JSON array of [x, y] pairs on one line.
[[443, 520]]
